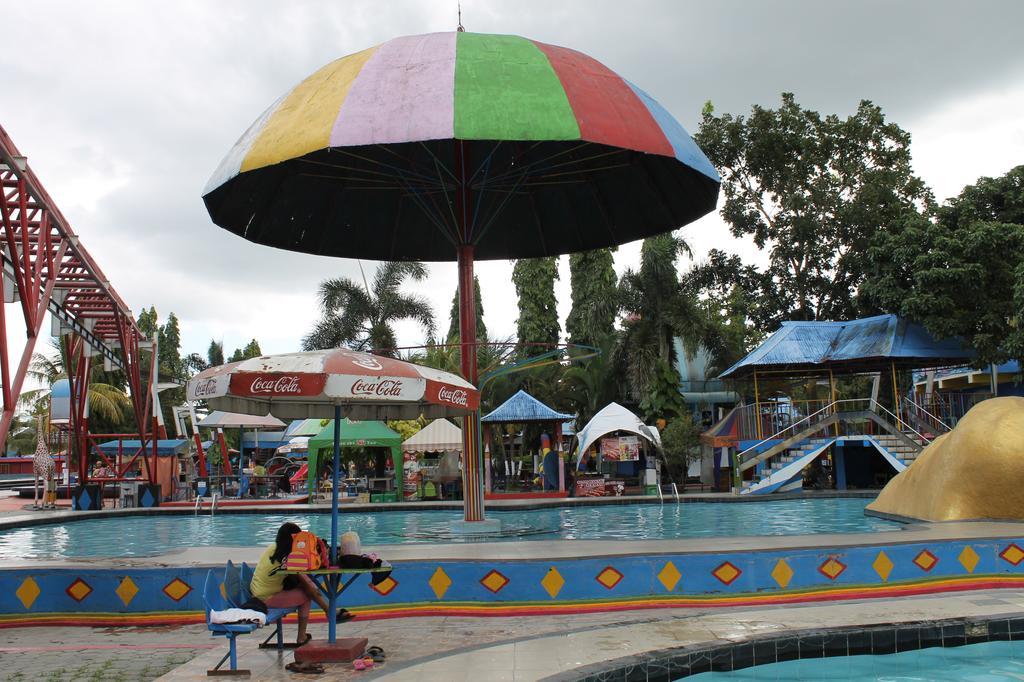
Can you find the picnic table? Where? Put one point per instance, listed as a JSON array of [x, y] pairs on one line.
[[329, 580]]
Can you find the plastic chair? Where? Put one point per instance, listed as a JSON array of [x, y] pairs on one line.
[[214, 601], [275, 616]]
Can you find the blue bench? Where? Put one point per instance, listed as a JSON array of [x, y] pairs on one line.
[[235, 593]]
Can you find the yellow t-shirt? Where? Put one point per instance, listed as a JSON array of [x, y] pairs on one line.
[[267, 579]]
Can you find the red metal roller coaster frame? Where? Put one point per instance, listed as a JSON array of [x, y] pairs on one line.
[[46, 268]]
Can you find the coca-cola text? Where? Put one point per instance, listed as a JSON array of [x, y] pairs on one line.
[[385, 388]]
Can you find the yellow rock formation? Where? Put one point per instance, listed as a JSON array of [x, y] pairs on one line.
[[976, 471]]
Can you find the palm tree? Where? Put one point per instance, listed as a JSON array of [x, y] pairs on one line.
[[107, 401], [659, 307], [361, 317]]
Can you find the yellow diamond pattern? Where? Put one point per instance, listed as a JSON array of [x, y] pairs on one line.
[[882, 565], [28, 592], [439, 582], [969, 559], [669, 576], [782, 573], [127, 590], [552, 582]]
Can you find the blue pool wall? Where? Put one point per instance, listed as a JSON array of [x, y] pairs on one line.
[[678, 579]]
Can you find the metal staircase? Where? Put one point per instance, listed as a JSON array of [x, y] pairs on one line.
[[780, 459]]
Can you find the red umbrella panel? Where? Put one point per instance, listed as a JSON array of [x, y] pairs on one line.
[[313, 383]]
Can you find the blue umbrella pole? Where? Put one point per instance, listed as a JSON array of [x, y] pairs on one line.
[[332, 580]]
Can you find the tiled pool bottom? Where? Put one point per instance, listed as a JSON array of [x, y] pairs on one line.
[[985, 662], [139, 536]]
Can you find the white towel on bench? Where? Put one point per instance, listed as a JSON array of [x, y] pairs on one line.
[[228, 616]]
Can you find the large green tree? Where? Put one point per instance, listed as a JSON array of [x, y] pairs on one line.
[[249, 350], [453, 316], [594, 297], [534, 279], [959, 273], [658, 308], [813, 190], [362, 316]]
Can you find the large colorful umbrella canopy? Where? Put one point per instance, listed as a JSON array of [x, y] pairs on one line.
[[312, 384], [457, 146], [358, 159]]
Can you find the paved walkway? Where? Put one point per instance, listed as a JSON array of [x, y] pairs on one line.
[[488, 650], [59, 654]]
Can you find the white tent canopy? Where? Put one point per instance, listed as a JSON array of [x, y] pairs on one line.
[[436, 436], [230, 420], [614, 417]]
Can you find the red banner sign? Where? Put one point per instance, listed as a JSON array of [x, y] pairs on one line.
[[277, 385], [445, 394]]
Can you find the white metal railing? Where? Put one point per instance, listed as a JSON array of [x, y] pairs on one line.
[[213, 504], [820, 416], [199, 504], [660, 497], [916, 408], [675, 492]]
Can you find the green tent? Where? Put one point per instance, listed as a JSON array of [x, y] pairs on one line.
[[356, 435]]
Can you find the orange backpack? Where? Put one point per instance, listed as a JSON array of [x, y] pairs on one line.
[[308, 552]]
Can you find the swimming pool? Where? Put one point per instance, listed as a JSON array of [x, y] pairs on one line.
[[153, 535], [984, 662]]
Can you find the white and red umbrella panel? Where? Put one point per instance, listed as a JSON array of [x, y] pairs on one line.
[[311, 384]]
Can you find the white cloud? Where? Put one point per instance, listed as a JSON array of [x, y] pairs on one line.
[[125, 108]]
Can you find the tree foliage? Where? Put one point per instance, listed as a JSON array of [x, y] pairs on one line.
[[658, 308], [680, 441], [534, 279], [249, 350], [814, 191], [453, 326], [594, 297], [362, 317], [959, 273]]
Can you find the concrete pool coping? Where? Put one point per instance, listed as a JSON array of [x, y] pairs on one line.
[[216, 555]]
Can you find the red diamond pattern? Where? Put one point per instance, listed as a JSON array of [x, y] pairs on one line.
[[832, 568], [79, 590], [727, 572], [384, 587], [1013, 554], [925, 560]]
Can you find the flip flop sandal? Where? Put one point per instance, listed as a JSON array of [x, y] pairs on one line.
[[307, 667], [305, 641], [377, 654], [343, 616], [358, 664]]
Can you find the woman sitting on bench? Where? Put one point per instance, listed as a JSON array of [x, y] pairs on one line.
[[280, 591]]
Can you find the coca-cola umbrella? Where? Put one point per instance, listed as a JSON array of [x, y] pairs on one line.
[[333, 384], [455, 146]]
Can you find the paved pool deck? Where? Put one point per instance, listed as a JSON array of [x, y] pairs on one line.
[[489, 650]]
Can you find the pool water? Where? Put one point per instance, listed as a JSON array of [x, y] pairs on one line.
[[153, 535], [985, 662]]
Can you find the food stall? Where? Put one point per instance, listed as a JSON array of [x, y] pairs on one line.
[[616, 453]]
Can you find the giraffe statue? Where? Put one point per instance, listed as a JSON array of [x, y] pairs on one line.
[[43, 467]]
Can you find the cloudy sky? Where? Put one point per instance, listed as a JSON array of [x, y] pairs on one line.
[[124, 109]]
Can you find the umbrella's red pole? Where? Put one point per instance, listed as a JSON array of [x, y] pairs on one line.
[[472, 468]]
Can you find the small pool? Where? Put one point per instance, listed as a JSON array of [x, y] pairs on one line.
[[153, 535], [984, 662]]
